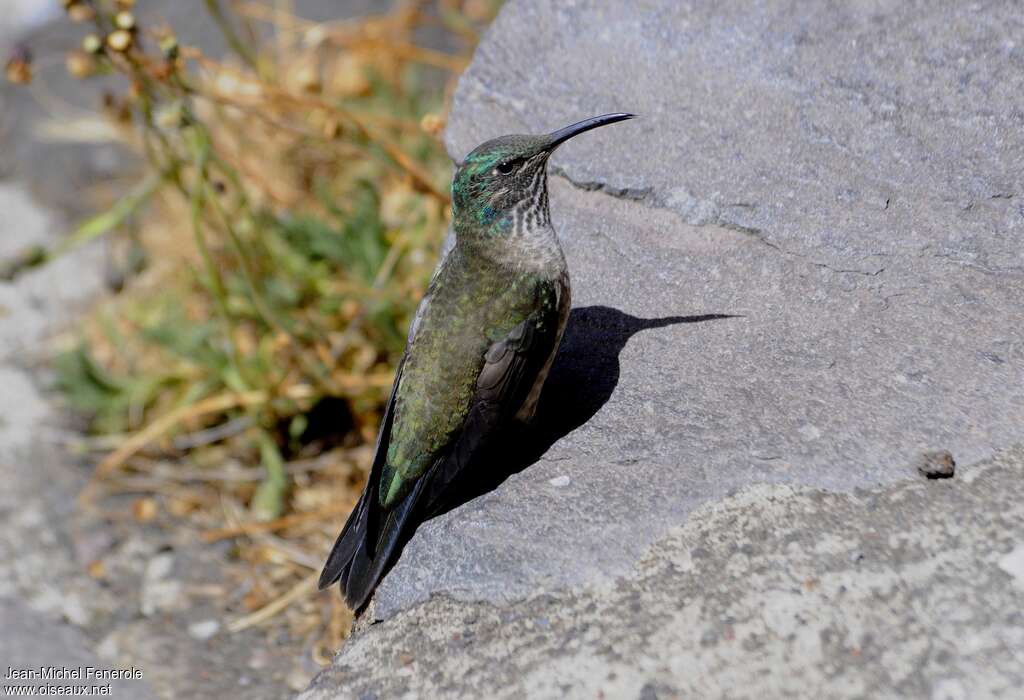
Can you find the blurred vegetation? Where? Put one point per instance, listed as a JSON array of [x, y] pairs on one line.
[[293, 204]]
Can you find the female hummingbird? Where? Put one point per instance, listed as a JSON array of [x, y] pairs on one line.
[[479, 349]]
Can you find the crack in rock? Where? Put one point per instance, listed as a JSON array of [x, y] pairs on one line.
[[698, 213]]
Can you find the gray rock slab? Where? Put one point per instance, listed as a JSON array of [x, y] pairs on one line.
[[844, 132], [912, 590], [843, 179]]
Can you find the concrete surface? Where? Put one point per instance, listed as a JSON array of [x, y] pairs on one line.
[[795, 273], [54, 611], [48, 604], [32, 642]]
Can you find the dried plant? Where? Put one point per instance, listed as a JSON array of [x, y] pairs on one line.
[[294, 201]]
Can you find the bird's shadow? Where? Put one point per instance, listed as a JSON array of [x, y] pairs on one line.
[[584, 375]]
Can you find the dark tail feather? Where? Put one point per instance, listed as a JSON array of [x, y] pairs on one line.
[[364, 528], [367, 567], [368, 543], [351, 537], [371, 536]]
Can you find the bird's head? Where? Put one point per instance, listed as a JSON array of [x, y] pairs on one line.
[[503, 173]]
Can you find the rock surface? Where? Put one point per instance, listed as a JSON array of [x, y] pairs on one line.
[[842, 183], [855, 200], [906, 591]]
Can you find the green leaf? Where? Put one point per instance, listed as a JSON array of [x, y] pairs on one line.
[[268, 501]]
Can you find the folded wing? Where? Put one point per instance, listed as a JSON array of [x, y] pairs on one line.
[[373, 534]]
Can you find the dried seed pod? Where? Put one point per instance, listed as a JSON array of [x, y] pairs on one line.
[[169, 47], [125, 20], [79, 12], [92, 44], [120, 41], [80, 64], [432, 124], [19, 67]]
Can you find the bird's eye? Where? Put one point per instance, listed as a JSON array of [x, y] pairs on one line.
[[506, 167]]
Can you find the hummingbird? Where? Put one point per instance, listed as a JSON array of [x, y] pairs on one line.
[[479, 349]]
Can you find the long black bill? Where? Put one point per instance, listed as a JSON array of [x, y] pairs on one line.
[[562, 135]]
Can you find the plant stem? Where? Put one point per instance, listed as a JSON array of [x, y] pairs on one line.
[[316, 370], [197, 202], [236, 44]]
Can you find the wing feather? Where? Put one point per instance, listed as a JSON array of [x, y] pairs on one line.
[[373, 535], [356, 527], [505, 382]]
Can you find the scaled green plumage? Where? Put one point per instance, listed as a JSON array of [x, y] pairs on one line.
[[445, 358]]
